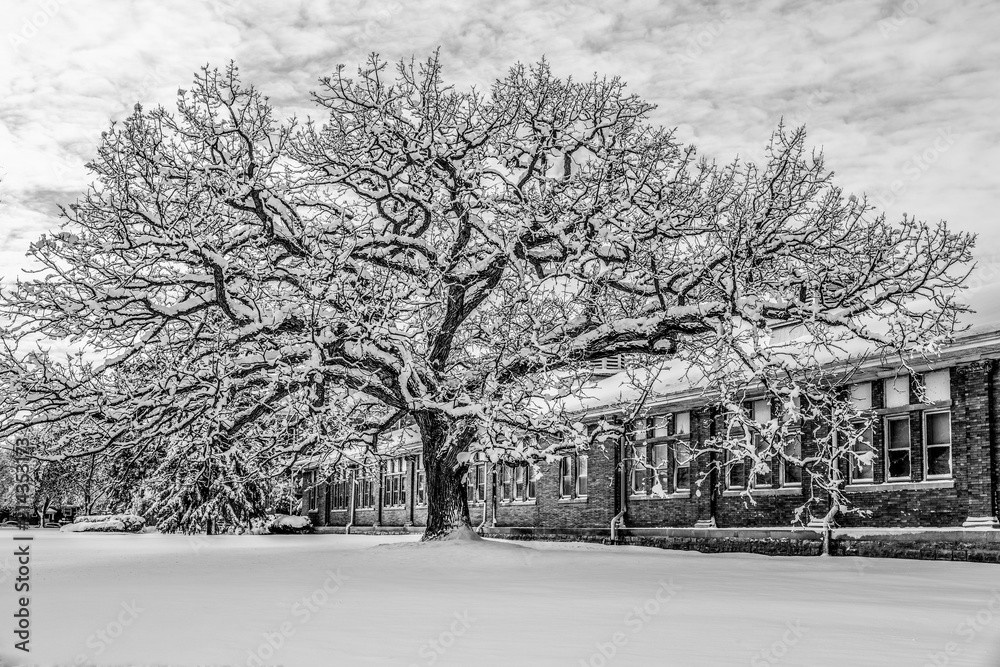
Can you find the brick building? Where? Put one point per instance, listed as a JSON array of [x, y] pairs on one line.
[[936, 466]]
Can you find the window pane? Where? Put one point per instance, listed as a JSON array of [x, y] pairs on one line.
[[939, 460], [639, 428], [565, 476], [899, 434], [734, 473], [939, 428], [861, 395], [682, 423], [530, 475], [519, 477], [761, 411], [581, 476], [761, 447], [660, 455], [639, 470], [899, 463], [792, 472], [682, 478], [661, 463], [682, 463], [863, 445], [937, 386], [897, 391], [660, 426]]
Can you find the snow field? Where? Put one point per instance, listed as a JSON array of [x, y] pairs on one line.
[[386, 600]]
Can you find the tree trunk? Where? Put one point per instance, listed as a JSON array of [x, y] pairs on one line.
[[828, 522], [447, 507]]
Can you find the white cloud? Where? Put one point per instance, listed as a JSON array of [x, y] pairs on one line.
[[877, 84]]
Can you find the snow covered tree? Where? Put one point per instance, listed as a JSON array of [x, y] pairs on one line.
[[53, 484], [454, 258]]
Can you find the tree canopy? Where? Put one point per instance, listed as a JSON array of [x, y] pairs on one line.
[[267, 289]]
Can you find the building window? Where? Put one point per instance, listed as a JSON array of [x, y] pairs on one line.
[[520, 477], [506, 484], [573, 476], [364, 490], [420, 481], [660, 460], [517, 484], [862, 446], [394, 483], [937, 444], [897, 439], [734, 470], [476, 491], [897, 391], [662, 454], [682, 466], [309, 490], [566, 477], [760, 412], [340, 487], [791, 467], [937, 386]]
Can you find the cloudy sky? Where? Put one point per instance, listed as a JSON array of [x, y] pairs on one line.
[[904, 97]]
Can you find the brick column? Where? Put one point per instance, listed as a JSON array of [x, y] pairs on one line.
[[975, 407]]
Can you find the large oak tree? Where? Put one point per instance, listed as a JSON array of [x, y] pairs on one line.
[[451, 258]]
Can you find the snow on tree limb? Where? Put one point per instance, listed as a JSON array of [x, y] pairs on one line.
[[455, 257]]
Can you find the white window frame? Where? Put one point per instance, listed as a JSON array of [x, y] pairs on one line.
[[758, 442], [951, 445], [640, 466], [888, 441], [394, 483], [732, 460], [577, 476], [675, 446], [419, 482], [852, 471]]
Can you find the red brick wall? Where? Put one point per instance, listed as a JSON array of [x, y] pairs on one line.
[[974, 433]]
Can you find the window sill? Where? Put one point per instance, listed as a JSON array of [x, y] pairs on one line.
[[394, 507], [517, 503], [668, 496], [333, 511], [783, 491], [913, 407], [573, 501], [901, 486]]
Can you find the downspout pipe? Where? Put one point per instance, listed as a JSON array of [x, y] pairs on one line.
[[352, 475], [619, 519], [486, 472]]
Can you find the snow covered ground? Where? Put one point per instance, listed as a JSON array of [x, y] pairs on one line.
[[366, 600]]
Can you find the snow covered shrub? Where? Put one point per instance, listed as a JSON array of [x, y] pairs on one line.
[[284, 524], [128, 523]]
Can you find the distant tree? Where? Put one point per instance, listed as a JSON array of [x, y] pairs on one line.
[[456, 259], [52, 484]]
